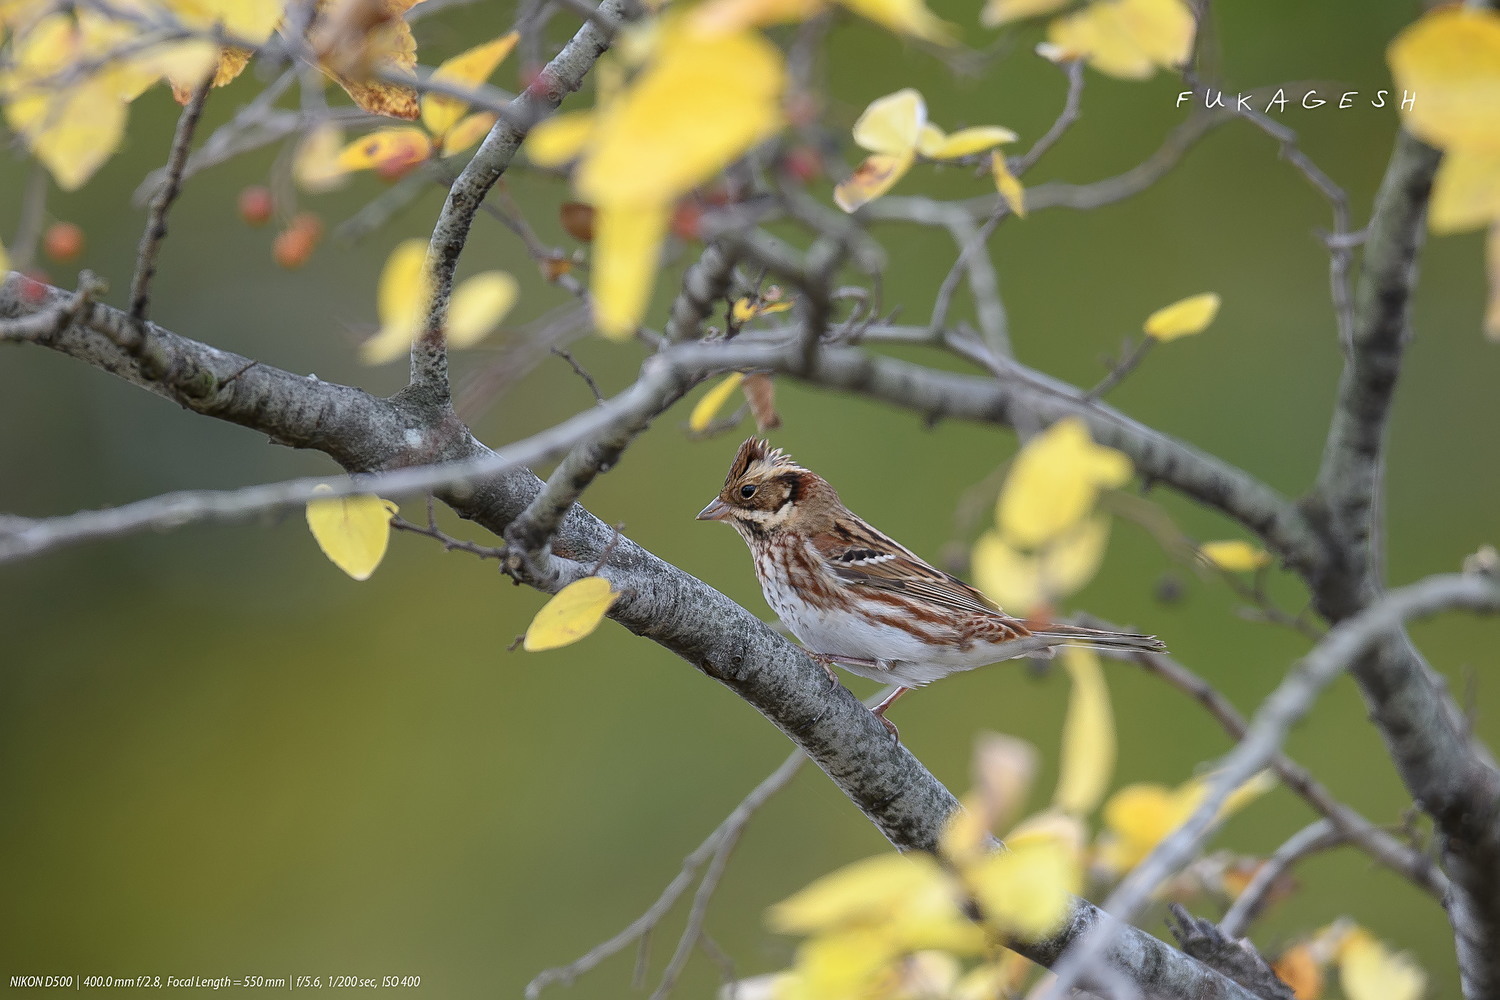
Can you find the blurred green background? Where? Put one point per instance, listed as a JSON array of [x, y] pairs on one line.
[[220, 756]]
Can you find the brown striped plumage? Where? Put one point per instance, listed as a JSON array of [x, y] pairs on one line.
[[855, 597]]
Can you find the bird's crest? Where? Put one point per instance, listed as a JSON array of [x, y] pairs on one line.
[[756, 458]]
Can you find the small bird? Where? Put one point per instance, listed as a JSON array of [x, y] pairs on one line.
[[854, 597]]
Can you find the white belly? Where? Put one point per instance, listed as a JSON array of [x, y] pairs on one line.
[[906, 658]]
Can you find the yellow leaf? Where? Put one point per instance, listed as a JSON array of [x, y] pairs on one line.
[[401, 298], [744, 309], [393, 100], [1234, 556], [966, 833], [862, 893], [1053, 826], [560, 138], [354, 38], [1253, 788], [571, 614], [1129, 39], [907, 900], [1008, 185], [871, 179], [228, 63], [1451, 59], [468, 131], [856, 963], [87, 122], [251, 20], [1088, 741], [315, 167], [1026, 580], [713, 401], [627, 242], [352, 531], [892, 124], [4, 259], [935, 144], [1055, 481], [905, 17], [1301, 970], [478, 305], [185, 64], [1466, 191], [998, 12], [684, 118], [389, 149], [722, 16], [1026, 891], [467, 69], [926, 974], [1183, 318], [71, 127], [1138, 817], [1004, 976], [1369, 971]]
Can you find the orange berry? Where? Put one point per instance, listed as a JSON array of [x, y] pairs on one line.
[[256, 205], [63, 242], [297, 241]]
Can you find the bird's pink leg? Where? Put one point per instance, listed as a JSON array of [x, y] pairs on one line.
[[826, 662], [879, 712]]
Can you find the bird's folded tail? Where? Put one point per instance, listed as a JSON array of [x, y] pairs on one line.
[[1100, 639]]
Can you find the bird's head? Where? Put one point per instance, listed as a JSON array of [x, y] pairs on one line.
[[766, 492]]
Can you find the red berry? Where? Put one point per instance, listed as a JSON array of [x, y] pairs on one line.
[[63, 242], [256, 205], [296, 242]]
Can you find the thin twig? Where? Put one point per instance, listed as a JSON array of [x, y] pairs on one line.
[[1379, 845], [1319, 835], [161, 205], [1071, 112], [579, 370], [732, 826], [1126, 365], [450, 544]]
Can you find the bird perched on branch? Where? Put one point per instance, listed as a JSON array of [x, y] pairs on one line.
[[854, 597]]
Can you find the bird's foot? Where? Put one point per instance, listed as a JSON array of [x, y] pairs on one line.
[[826, 662], [879, 712]]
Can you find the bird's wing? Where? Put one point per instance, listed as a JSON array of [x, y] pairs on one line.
[[860, 556]]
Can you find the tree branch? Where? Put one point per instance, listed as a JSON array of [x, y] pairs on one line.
[[657, 600], [1344, 646], [1447, 773], [561, 77]]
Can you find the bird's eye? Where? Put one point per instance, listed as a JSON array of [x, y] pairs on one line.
[[747, 491]]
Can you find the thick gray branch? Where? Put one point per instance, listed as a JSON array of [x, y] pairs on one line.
[[1448, 774]]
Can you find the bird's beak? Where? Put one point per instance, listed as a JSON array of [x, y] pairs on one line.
[[718, 510]]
